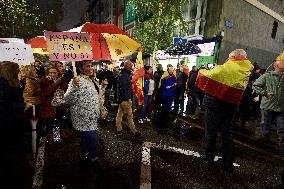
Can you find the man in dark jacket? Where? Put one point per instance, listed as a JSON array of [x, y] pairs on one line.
[[124, 98], [157, 92], [192, 91], [181, 78]]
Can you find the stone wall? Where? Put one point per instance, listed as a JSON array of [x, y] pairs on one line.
[[251, 29]]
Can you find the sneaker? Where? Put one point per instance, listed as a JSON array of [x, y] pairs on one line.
[[146, 119], [140, 121]]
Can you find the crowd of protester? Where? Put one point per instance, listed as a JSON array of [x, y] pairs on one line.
[[64, 99]]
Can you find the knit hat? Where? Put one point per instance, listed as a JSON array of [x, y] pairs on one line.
[[280, 57]]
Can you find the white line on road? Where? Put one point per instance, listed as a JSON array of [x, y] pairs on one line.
[[145, 175]]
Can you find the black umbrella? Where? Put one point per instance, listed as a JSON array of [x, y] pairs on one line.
[[183, 48], [133, 57]]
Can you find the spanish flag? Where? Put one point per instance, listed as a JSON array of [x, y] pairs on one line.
[[226, 82], [165, 75], [137, 78]]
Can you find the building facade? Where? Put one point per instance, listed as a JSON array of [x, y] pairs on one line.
[[106, 12], [256, 26]]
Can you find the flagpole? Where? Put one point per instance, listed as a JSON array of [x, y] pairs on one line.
[[74, 69]]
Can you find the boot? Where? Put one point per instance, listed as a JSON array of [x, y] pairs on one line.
[[227, 167]]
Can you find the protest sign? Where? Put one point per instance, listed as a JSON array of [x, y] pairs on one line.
[[16, 52], [4, 40], [202, 60], [68, 46]]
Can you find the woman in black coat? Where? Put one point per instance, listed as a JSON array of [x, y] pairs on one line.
[[12, 107]]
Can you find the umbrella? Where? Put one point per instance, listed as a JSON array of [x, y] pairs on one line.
[[34, 121], [38, 45], [133, 56], [108, 41], [161, 55], [183, 48]]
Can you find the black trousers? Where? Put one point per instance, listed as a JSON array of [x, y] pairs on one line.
[[214, 122], [15, 171]]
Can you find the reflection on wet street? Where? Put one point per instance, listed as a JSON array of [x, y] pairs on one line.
[[159, 158]]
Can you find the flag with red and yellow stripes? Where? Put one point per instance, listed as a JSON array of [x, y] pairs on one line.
[[226, 82], [137, 78]]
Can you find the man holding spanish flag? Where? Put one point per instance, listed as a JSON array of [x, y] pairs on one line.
[[224, 86]]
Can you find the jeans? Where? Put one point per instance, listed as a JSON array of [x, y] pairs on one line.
[[147, 102], [88, 144], [219, 120], [179, 100], [266, 119], [167, 102], [192, 103], [134, 102], [107, 98]]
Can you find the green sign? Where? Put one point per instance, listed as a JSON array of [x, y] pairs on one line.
[[128, 16], [201, 60]]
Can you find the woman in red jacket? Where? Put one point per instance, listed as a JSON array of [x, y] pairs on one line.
[[49, 84]]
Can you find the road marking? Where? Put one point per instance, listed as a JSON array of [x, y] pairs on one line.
[[145, 175], [278, 157], [38, 180]]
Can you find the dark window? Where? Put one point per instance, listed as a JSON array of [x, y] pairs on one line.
[[274, 29]]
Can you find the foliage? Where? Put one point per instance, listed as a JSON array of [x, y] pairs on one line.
[[51, 12], [22, 19], [17, 17], [155, 22]]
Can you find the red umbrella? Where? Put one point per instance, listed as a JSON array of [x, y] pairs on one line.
[[37, 42], [108, 41]]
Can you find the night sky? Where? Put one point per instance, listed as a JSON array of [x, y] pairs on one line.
[[73, 11]]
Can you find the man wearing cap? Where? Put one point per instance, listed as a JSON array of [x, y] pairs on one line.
[[271, 87]]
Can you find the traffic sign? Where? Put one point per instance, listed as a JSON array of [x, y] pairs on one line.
[[179, 40]]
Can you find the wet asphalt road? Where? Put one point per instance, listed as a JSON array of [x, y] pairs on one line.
[[121, 157]]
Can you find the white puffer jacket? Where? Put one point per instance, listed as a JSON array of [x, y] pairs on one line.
[[84, 104]]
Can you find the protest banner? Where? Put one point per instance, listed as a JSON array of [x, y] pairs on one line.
[[68, 46], [9, 40], [16, 52]]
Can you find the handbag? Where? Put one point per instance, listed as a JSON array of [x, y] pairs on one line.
[[58, 98]]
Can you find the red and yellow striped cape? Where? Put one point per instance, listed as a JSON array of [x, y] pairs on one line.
[[226, 82]]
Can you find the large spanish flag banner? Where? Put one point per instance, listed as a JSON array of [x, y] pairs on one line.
[[226, 82], [138, 79]]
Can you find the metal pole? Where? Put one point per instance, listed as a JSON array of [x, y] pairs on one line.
[[12, 29]]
